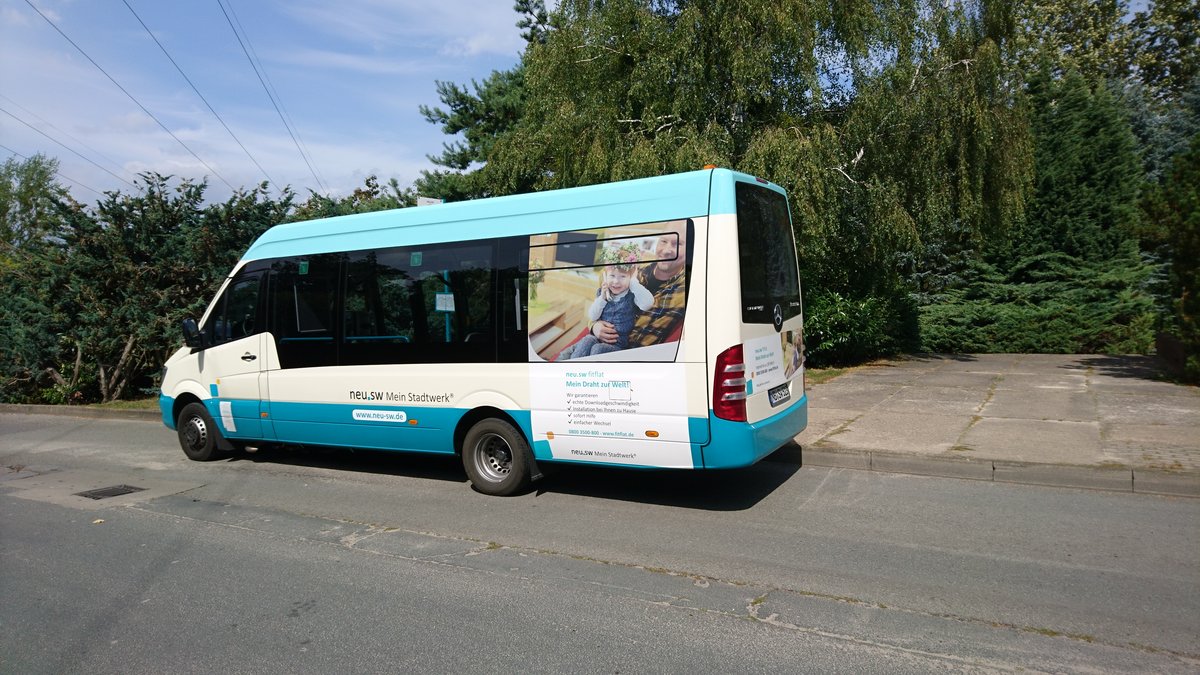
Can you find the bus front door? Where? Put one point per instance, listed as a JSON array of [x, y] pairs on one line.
[[233, 368]]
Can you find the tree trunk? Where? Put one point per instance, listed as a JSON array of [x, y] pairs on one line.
[[75, 372], [111, 388]]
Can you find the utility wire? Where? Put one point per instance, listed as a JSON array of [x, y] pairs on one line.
[[272, 93], [270, 96], [69, 149], [131, 97], [193, 86], [320, 176], [50, 124], [57, 173]]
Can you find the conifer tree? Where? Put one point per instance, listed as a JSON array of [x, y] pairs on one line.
[[1173, 209], [1088, 174]]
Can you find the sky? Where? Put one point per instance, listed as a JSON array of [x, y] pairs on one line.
[[349, 76]]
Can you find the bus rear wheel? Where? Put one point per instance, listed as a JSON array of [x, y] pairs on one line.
[[496, 457], [198, 434]]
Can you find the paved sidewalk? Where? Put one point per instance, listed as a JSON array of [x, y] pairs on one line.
[[1083, 421]]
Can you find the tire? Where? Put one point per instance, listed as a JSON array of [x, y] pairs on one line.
[[198, 434], [496, 457]]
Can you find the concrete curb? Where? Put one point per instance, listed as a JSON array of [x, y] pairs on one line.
[[79, 411], [1163, 483], [1145, 481]]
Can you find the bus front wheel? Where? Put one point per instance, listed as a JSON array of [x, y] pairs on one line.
[[198, 434], [496, 457]]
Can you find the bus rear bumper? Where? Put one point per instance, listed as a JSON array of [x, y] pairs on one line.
[[738, 444]]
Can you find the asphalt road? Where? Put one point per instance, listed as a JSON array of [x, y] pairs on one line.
[[317, 561]]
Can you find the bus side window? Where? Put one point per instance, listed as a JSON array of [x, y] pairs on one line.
[[456, 291], [377, 316], [303, 296], [420, 304], [237, 314]]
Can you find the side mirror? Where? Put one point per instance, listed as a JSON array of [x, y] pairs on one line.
[[192, 336]]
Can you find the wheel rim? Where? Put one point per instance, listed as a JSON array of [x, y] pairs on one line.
[[195, 433], [493, 457]]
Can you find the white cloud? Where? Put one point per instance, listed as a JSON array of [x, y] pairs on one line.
[[460, 27], [334, 60]]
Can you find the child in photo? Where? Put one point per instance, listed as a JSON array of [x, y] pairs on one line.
[[618, 300]]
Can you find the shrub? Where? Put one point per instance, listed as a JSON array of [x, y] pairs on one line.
[[840, 330]]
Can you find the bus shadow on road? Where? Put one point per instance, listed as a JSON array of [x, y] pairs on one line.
[[705, 489], [709, 490], [380, 462]]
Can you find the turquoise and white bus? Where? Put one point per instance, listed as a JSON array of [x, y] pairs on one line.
[[651, 323]]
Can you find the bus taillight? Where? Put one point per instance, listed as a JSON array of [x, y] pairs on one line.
[[729, 385]]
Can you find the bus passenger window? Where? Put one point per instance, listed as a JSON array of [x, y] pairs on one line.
[[303, 295], [427, 304], [377, 300]]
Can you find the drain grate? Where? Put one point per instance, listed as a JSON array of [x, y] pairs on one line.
[[113, 491]]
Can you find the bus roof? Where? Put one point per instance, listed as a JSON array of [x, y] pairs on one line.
[[684, 195]]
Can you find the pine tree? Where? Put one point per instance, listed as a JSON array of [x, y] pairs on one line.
[[1088, 174], [482, 115], [1174, 211]]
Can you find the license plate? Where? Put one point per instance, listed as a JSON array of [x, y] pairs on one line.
[[780, 394]]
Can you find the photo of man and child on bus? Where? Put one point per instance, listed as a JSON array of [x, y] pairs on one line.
[[595, 293]]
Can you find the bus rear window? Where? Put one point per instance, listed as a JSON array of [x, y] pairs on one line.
[[767, 255]]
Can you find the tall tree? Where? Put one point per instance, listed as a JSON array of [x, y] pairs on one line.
[[1088, 171], [888, 124], [29, 198], [1071, 277], [1164, 127], [481, 115], [1173, 209], [943, 130], [140, 263], [1092, 37], [123, 265], [1165, 46], [32, 210]]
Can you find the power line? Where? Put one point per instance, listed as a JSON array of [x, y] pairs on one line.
[[131, 97], [56, 172], [69, 149], [193, 86], [304, 151], [264, 80], [50, 124], [274, 103]]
